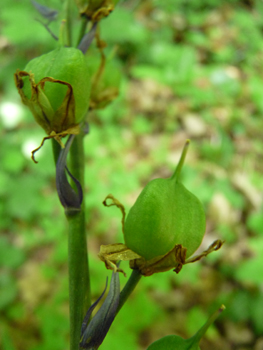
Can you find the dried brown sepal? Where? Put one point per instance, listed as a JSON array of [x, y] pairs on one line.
[[71, 131], [102, 13], [112, 253], [96, 10], [216, 245], [100, 101], [106, 81], [118, 204], [174, 259]]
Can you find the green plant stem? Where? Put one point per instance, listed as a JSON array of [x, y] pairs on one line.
[[78, 279], [69, 14], [79, 285], [129, 287], [79, 282]]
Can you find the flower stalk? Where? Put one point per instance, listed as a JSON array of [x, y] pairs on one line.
[[79, 281]]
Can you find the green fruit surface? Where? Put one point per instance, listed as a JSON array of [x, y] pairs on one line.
[[164, 214], [66, 64]]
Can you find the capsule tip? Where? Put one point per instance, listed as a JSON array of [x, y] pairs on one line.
[[178, 169], [222, 308]]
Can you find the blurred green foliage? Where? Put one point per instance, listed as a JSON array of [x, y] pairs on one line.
[[191, 69]]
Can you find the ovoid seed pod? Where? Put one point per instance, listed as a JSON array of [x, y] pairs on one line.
[[162, 230], [165, 214], [56, 88]]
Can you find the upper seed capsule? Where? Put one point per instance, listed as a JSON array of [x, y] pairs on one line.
[[56, 88]]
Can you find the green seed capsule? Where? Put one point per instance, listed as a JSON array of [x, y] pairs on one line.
[[162, 230], [56, 88], [165, 214]]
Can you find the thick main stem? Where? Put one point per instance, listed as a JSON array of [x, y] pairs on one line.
[[78, 277], [79, 283]]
